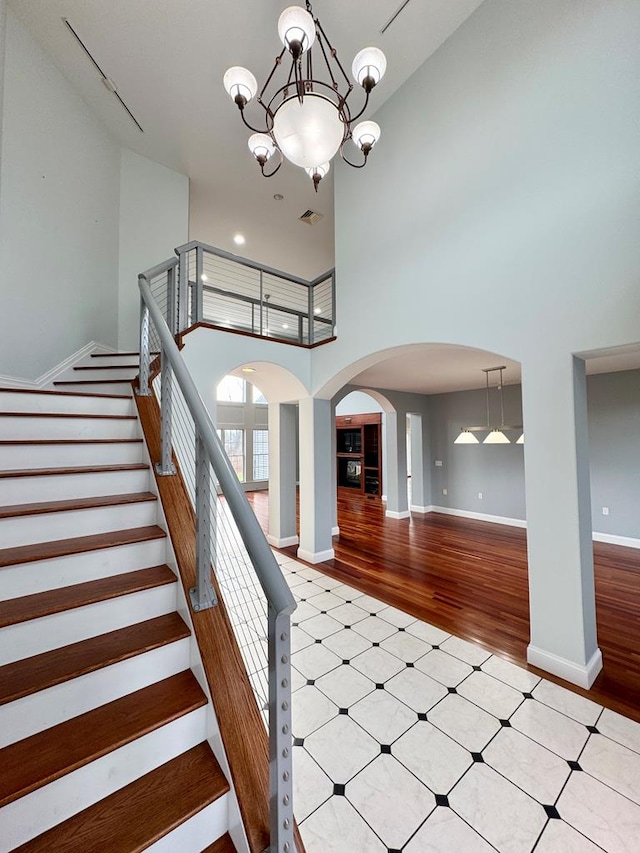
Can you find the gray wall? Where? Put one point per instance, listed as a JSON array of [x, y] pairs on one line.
[[497, 471]]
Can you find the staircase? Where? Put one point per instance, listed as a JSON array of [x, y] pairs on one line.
[[103, 726]]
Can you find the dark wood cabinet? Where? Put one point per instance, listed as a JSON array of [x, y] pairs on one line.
[[359, 454]]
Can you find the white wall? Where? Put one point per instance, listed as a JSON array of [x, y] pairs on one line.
[[154, 219], [58, 215]]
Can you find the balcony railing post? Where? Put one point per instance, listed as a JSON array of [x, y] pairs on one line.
[[145, 356], [311, 314], [197, 300], [183, 293], [165, 467], [261, 306], [203, 595], [333, 303], [171, 300], [280, 744]]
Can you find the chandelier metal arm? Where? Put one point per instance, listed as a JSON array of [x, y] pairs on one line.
[[348, 162], [266, 129], [271, 174], [333, 52], [276, 65], [365, 105]]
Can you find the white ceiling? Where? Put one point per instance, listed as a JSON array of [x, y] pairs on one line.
[[167, 58]]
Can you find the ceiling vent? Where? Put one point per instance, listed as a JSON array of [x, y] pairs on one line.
[[310, 217]]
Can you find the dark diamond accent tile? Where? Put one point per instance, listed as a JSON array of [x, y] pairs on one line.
[[452, 689], [318, 642], [343, 711], [338, 790], [347, 627], [295, 624], [372, 614], [551, 811], [310, 682], [298, 741], [385, 749], [528, 695], [400, 629], [324, 612], [477, 669], [346, 662], [593, 730], [379, 686], [435, 647], [410, 666], [505, 724], [348, 601], [393, 850], [327, 590], [477, 757], [422, 717], [442, 800], [574, 765], [303, 599], [376, 645]]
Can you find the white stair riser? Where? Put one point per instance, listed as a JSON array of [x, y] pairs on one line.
[[58, 455], [52, 526], [43, 428], [102, 387], [13, 402], [33, 814], [51, 487], [199, 832], [47, 708], [110, 360], [42, 575], [61, 629], [117, 373]]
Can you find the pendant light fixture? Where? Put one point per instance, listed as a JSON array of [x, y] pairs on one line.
[[496, 433], [308, 120]]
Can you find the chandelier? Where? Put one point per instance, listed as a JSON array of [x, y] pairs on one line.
[[308, 120], [495, 433]]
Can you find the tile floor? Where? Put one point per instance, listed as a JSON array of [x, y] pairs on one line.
[[408, 739]]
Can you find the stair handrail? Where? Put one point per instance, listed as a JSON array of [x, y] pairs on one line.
[[281, 602]]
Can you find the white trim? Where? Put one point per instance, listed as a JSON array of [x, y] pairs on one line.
[[581, 674], [480, 516], [48, 378], [392, 514], [421, 509], [317, 557], [383, 498], [285, 542], [335, 531], [625, 541]]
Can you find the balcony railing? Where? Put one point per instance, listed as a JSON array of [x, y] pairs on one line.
[[236, 294]]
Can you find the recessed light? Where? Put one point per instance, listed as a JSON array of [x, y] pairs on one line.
[[317, 311], [239, 240], [278, 196], [285, 325], [248, 370], [203, 277]]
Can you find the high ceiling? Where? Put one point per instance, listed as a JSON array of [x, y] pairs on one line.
[[167, 58]]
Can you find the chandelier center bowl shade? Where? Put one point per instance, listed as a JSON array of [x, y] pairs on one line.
[[308, 132]]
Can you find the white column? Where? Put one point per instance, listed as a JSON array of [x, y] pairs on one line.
[[316, 493], [559, 532], [420, 466], [396, 446], [282, 475]]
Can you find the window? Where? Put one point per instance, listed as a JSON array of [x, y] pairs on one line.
[[231, 390], [233, 441], [260, 454], [258, 396]]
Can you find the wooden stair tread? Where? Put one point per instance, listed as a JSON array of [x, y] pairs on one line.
[[10, 473], [223, 845], [73, 415], [27, 607], [136, 816], [21, 510], [122, 381], [48, 755], [30, 675], [64, 393], [33, 441], [66, 547], [117, 354], [107, 367]]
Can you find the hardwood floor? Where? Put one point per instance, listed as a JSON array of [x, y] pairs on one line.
[[470, 579]]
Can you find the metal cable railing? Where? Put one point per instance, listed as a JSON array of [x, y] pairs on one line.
[[229, 540], [234, 293]]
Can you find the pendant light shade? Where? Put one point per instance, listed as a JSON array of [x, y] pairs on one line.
[[262, 146], [296, 29], [466, 437], [496, 436], [369, 66], [308, 132], [240, 84], [366, 134], [521, 439]]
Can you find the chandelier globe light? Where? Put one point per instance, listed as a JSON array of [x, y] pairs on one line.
[[308, 120]]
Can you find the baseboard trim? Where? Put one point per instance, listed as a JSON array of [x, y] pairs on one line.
[[392, 514], [335, 531], [625, 541], [420, 509], [479, 516], [582, 675], [317, 556], [50, 376], [284, 542]]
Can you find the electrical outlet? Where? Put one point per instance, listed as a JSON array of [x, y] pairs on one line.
[[479, 496], [445, 491], [605, 510], [438, 463]]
